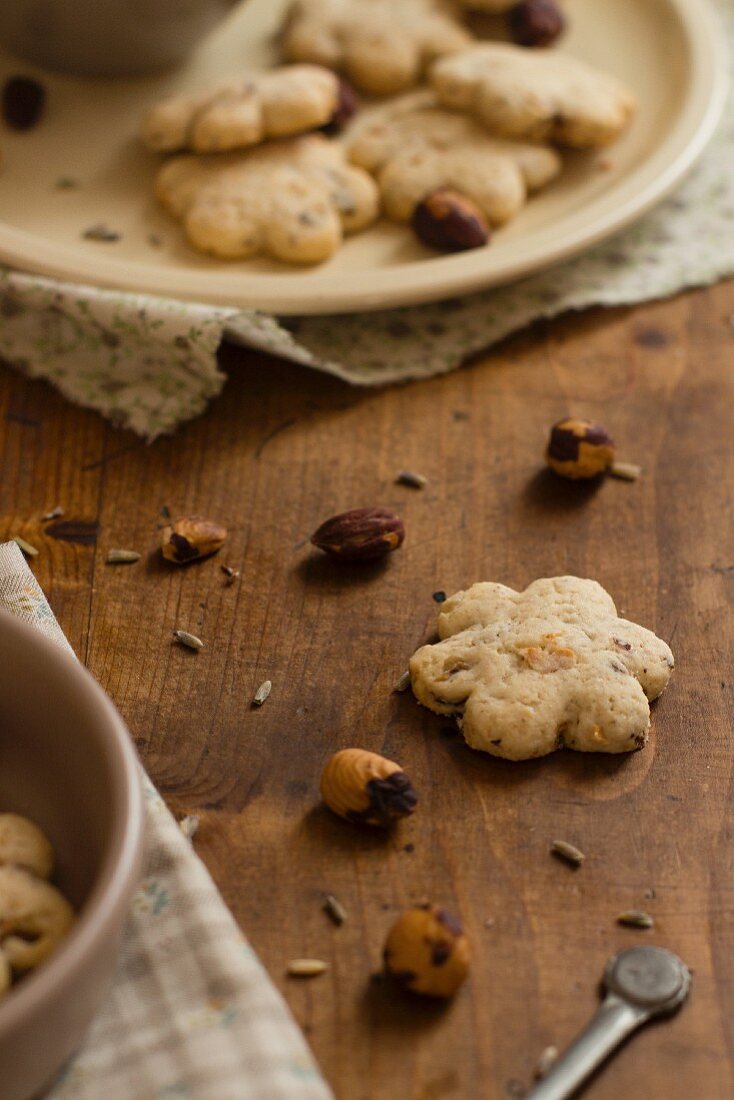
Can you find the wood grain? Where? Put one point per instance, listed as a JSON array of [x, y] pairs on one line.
[[281, 450]]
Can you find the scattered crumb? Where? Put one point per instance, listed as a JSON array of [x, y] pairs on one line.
[[102, 233], [546, 1060], [189, 825]]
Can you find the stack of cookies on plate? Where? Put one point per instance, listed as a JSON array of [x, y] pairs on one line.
[[285, 163]]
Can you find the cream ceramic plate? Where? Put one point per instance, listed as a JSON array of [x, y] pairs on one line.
[[669, 51]]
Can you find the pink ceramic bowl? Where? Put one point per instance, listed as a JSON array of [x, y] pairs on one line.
[[67, 762]]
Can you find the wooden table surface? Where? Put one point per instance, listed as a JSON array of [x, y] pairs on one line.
[[284, 448]]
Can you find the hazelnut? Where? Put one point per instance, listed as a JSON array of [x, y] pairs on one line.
[[450, 222], [427, 951], [579, 449], [536, 22], [190, 538], [347, 105], [363, 534], [366, 788], [23, 101]]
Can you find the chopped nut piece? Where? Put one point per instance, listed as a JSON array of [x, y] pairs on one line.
[[427, 951], [579, 449], [536, 22], [450, 222], [364, 534], [191, 538], [366, 788], [187, 639], [306, 968]]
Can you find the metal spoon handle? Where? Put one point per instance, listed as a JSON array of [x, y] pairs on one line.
[[612, 1023]]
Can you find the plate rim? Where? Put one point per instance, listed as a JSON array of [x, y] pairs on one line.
[[421, 281]]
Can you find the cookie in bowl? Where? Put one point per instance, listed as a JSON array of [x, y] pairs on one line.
[[71, 847], [34, 915]]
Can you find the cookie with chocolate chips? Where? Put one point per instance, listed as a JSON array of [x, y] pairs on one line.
[[553, 666], [294, 200]]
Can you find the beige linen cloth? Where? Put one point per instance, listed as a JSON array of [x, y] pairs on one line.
[[192, 1015]]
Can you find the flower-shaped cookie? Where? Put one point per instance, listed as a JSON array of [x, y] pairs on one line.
[[293, 200], [34, 916], [414, 147], [552, 667], [534, 94], [383, 46], [288, 100]]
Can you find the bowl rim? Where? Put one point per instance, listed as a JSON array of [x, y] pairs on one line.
[[122, 863]]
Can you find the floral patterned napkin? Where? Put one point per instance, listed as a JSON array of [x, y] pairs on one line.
[[191, 1015], [150, 364]]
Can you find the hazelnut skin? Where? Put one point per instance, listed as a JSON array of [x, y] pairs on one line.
[[449, 222], [427, 952], [536, 22], [23, 101], [363, 534], [346, 107], [579, 449]]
